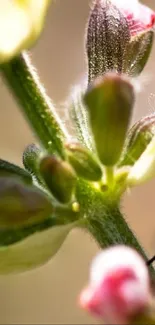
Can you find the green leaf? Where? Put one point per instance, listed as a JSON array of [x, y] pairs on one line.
[[109, 102], [33, 251]]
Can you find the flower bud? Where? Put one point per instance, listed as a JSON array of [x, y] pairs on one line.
[[119, 287], [21, 205], [118, 37], [144, 168], [21, 23], [109, 102], [140, 17], [59, 177], [138, 138], [137, 53], [31, 157], [83, 162], [107, 37]]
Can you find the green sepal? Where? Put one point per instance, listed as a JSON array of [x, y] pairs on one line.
[[59, 177], [21, 205], [84, 162], [144, 168], [138, 138], [31, 157], [137, 53], [80, 118], [109, 102], [9, 169]]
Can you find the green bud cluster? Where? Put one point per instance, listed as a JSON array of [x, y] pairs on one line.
[[69, 182]]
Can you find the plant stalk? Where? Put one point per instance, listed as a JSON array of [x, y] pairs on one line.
[[20, 76], [104, 220]]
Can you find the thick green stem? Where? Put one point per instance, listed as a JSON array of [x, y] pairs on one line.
[[104, 220], [112, 230], [21, 77]]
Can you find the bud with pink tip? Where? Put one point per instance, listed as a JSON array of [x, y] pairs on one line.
[[119, 287], [140, 17], [119, 37]]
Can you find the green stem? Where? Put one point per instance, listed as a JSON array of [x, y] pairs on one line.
[[110, 176], [104, 220], [21, 77], [112, 230]]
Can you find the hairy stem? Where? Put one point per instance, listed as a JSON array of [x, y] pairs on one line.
[[21, 77], [112, 229], [104, 220]]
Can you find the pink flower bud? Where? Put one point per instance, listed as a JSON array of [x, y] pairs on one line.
[[119, 287], [119, 37], [140, 18]]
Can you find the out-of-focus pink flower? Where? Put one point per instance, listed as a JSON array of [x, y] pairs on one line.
[[140, 18], [119, 287]]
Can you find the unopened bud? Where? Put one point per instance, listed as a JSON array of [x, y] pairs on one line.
[[138, 139], [31, 157], [119, 37], [84, 162], [21, 205], [109, 102], [119, 287], [144, 168], [137, 53], [59, 177], [107, 36]]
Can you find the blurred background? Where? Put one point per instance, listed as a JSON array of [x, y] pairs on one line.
[[49, 294]]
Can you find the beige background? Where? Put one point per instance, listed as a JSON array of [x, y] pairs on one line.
[[49, 294]]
